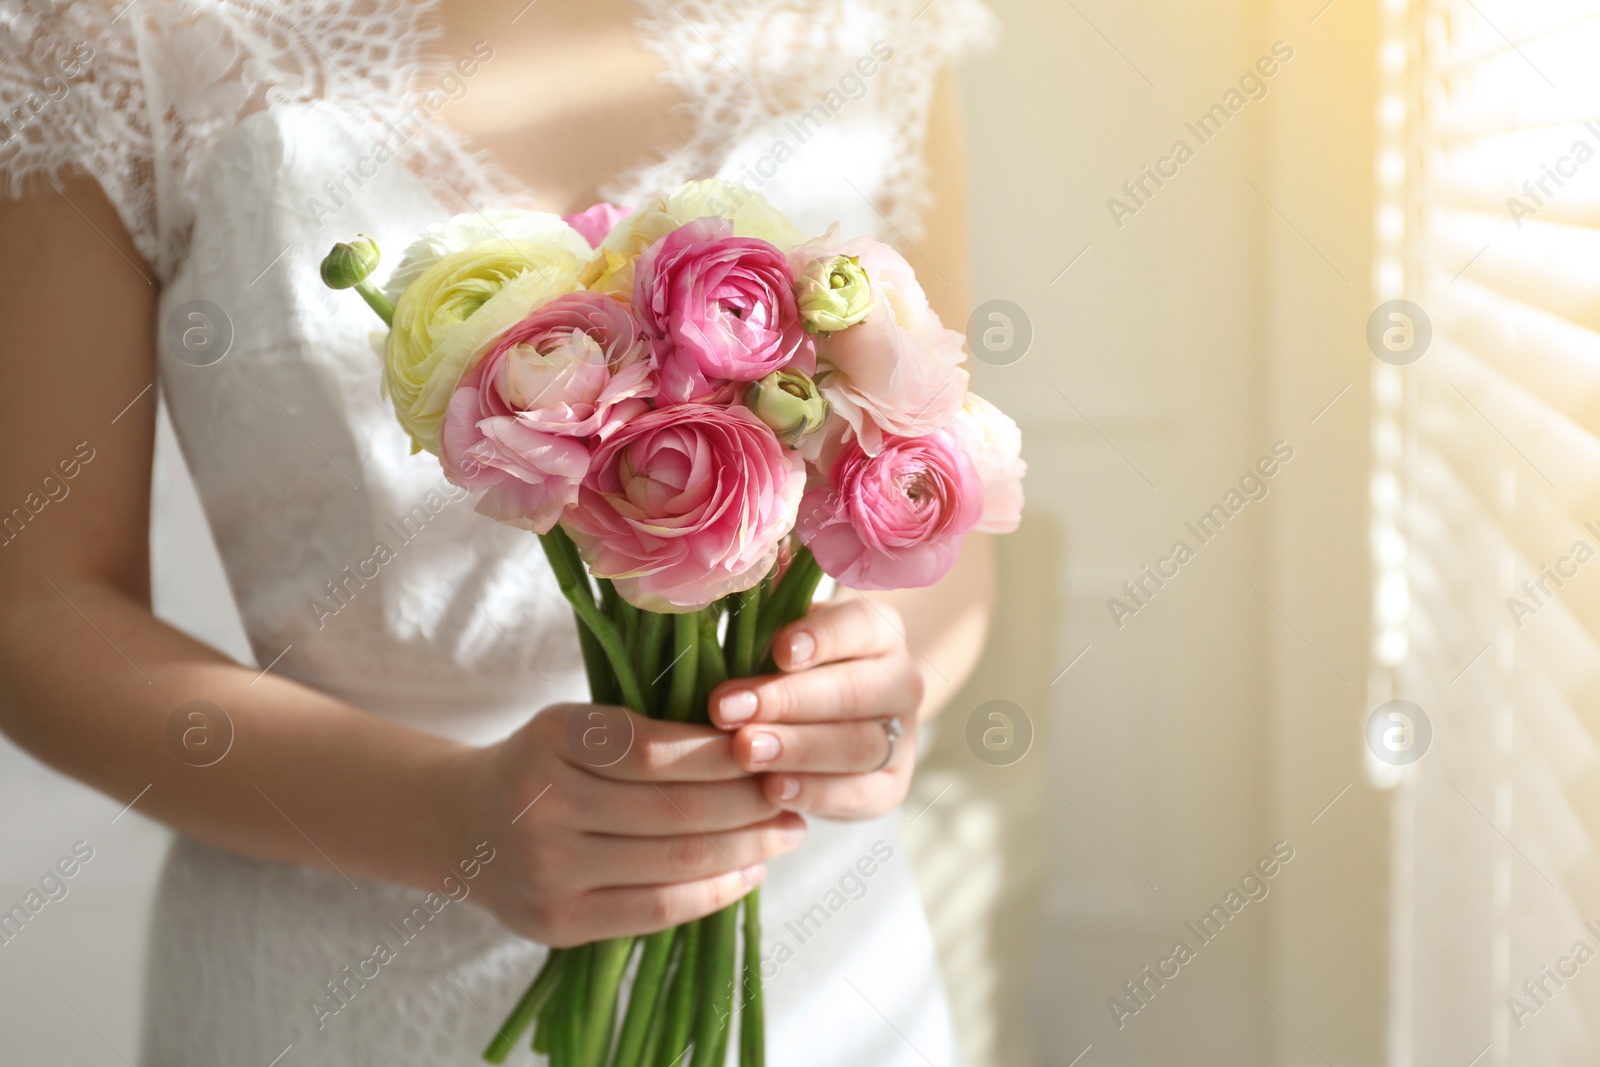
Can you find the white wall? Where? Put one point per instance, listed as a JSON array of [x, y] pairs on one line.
[[1184, 343]]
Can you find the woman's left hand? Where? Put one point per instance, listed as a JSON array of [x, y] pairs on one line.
[[820, 730]]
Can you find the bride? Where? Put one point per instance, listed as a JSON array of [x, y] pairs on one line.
[[388, 826]]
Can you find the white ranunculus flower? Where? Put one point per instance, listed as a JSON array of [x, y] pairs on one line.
[[994, 444]]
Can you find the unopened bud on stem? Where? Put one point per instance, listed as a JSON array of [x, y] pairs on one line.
[[349, 265]]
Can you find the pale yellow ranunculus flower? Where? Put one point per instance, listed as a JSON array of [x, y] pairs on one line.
[[448, 314]]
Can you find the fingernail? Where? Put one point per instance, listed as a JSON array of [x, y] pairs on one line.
[[755, 873], [788, 787], [802, 646], [737, 706], [794, 833], [764, 747]]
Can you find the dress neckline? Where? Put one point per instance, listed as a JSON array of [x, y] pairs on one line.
[[170, 78]]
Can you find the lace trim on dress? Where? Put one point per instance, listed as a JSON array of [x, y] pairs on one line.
[[739, 64], [135, 92], [73, 94]]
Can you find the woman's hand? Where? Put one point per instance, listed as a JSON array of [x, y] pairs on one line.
[[818, 731], [607, 823]]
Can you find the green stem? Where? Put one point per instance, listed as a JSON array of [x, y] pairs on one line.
[[377, 301], [544, 1031], [626, 615], [527, 1009], [647, 655], [681, 1000], [659, 1015], [575, 586], [603, 688], [647, 984], [789, 601], [714, 1010], [600, 999], [685, 662], [570, 553], [623, 615], [566, 1042], [742, 633], [713, 668], [752, 1003]]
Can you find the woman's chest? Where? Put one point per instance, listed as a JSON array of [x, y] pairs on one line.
[[565, 95]]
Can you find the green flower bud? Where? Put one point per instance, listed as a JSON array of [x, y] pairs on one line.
[[348, 265], [789, 403], [833, 294]]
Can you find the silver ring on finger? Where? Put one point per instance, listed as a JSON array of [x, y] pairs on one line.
[[893, 731]]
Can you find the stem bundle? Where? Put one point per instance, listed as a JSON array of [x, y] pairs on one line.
[[692, 981]]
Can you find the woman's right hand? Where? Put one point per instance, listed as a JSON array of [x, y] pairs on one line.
[[606, 823]]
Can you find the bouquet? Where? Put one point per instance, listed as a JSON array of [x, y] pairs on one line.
[[700, 411]]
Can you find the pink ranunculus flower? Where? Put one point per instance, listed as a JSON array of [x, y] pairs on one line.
[[894, 520], [686, 504], [898, 371], [593, 223], [994, 444], [718, 309], [520, 425]]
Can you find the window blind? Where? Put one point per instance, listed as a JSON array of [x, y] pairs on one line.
[[1486, 526]]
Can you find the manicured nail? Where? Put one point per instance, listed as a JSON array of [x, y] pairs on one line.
[[764, 747], [802, 646], [737, 707], [788, 787]]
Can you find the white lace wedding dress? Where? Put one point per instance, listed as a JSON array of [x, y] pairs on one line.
[[222, 131]]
